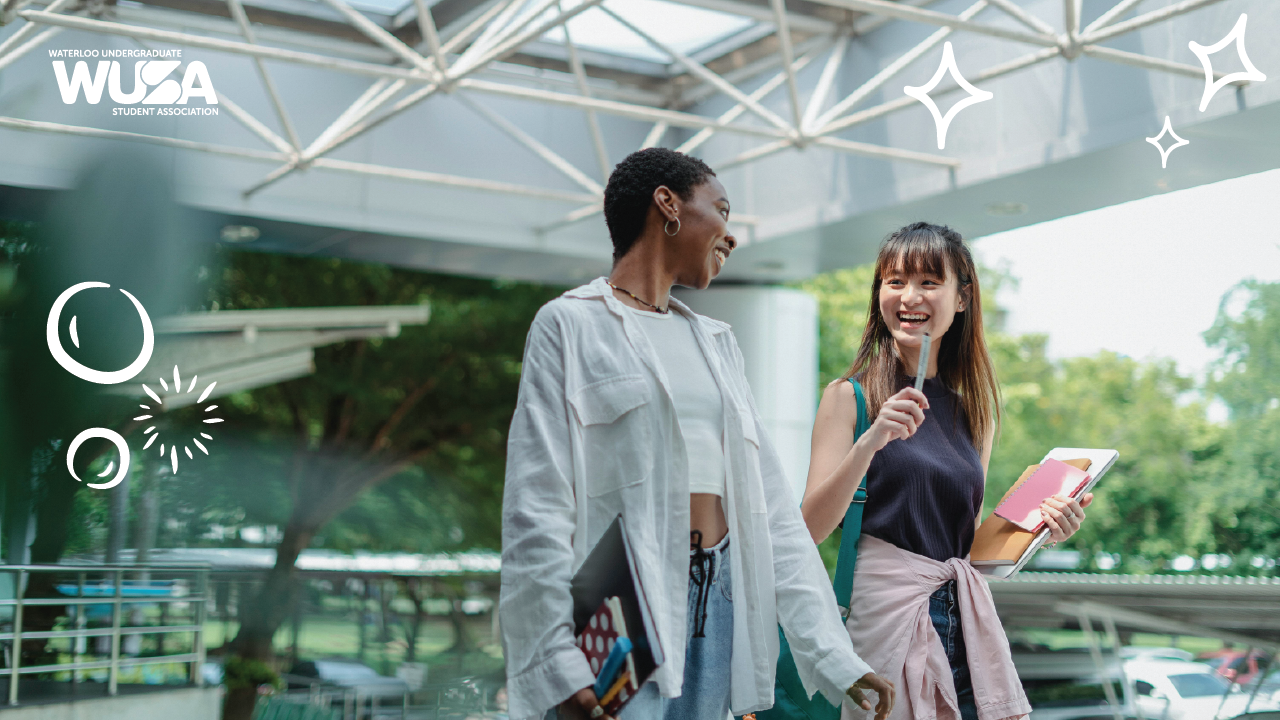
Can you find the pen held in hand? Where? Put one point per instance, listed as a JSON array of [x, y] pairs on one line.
[[923, 365]]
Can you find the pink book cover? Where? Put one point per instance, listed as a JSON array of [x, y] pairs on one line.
[[1054, 477]]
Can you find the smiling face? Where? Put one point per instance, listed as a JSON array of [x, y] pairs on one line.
[[915, 303], [700, 249]]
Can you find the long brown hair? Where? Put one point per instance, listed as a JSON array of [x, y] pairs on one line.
[[963, 364]]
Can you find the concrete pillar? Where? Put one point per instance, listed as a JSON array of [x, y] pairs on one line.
[[777, 329]]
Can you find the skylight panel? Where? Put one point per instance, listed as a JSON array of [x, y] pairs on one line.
[[681, 27], [383, 7]]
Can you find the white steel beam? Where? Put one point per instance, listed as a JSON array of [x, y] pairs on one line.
[[1105, 19], [1017, 13], [323, 61], [431, 178], [373, 97], [572, 217], [825, 81], [732, 113], [627, 110], [510, 45], [349, 133], [701, 71], [16, 54], [907, 12], [508, 9], [80, 131], [427, 28], [885, 153], [655, 134], [755, 153], [552, 157], [453, 75], [802, 23], [784, 49], [1144, 20], [1156, 623], [750, 71], [380, 36], [26, 31], [238, 14], [593, 123], [892, 69], [1150, 63], [481, 22], [882, 109], [1071, 10]]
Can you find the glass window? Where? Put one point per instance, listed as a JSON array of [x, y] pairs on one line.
[[1143, 687], [1199, 684], [1065, 694]]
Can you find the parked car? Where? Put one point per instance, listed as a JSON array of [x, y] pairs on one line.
[[1075, 699], [1178, 690], [1135, 652], [341, 673]]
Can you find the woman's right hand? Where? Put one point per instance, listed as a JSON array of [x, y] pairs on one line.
[[899, 418], [581, 704]]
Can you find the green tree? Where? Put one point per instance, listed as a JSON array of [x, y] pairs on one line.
[[428, 409], [1158, 500], [1247, 379]]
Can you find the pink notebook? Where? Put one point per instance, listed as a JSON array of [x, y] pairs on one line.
[[1054, 477]]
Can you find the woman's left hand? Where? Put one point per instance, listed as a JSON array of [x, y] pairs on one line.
[[1063, 515]]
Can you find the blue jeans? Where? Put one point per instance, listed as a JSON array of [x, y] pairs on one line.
[[705, 693], [944, 611]]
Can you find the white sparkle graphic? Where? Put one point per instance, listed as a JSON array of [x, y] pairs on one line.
[[173, 447], [1250, 72], [921, 93], [1164, 152]]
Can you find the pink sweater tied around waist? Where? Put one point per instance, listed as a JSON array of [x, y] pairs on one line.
[[890, 627]]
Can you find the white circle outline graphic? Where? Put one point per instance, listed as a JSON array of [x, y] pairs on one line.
[[106, 434], [88, 373]]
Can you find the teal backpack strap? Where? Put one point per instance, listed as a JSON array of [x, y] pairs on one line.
[[848, 557]]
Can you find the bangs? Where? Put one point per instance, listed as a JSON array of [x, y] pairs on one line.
[[916, 252]]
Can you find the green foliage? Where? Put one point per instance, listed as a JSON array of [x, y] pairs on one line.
[[241, 672], [843, 299], [1247, 377], [437, 399], [1155, 502]]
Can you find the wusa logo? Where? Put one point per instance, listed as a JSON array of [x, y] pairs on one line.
[[152, 85]]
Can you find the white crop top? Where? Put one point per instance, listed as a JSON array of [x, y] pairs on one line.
[[696, 395]]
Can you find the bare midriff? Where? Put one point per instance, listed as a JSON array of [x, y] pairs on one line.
[[706, 514]]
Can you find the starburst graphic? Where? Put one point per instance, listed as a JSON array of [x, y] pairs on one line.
[[1164, 152], [173, 447], [921, 93], [1250, 72]]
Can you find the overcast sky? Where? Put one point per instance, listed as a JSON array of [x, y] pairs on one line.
[[1144, 278]]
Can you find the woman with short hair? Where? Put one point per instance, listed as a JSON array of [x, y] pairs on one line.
[[632, 404], [919, 611]]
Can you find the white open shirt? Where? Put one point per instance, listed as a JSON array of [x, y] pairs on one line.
[[595, 434]]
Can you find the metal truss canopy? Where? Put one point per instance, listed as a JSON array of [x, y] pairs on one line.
[[527, 50]]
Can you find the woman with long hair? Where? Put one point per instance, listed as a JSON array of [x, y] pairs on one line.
[[920, 613]]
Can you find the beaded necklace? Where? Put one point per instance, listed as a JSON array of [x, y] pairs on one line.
[[661, 310]]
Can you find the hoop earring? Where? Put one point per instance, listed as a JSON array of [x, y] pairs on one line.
[[667, 225]]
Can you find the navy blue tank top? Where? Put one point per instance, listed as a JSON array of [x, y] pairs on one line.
[[924, 493]]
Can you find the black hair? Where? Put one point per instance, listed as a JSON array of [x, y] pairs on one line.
[[630, 190]]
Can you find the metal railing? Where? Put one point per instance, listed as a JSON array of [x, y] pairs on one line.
[[97, 587], [454, 700]]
